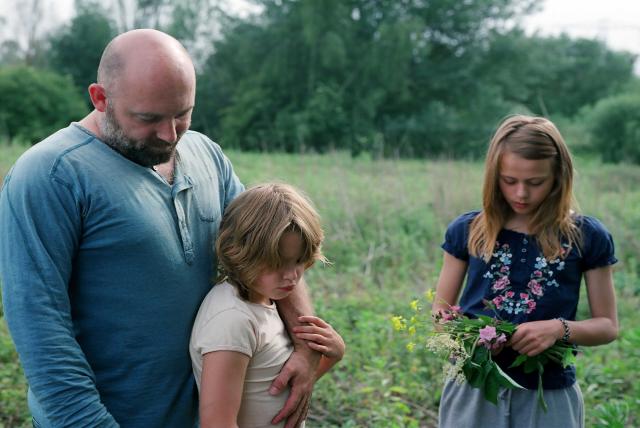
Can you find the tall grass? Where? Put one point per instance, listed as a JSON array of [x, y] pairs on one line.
[[384, 221]]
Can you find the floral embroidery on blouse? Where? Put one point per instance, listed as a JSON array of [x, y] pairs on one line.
[[542, 277]]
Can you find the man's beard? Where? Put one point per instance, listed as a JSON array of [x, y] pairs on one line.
[[139, 151]]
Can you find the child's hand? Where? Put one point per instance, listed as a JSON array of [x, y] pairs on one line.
[[531, 338], [320, 336]]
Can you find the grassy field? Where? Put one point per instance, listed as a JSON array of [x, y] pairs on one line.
[[384, 222]]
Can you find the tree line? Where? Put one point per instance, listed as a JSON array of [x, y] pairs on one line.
[[392, 78]]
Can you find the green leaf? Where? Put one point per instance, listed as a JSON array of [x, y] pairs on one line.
[[506, 380], [487, 367], [519, 360], [531, 364], [540, 393], [542, 358], [569, 357], [492, 384], [399, 390], [486, 320], [480, 355], [474, 374]]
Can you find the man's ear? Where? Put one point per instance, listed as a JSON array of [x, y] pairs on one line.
[[98, 96]]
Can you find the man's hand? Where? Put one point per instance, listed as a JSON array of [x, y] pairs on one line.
[[299, 372]]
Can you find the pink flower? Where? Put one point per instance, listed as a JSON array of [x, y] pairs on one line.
[[524, 296], [501, 283], [488, 333], [537, 273], [532, 305], [535, 288], [499, 341], [453, 313], [488, 338], [510, 294]]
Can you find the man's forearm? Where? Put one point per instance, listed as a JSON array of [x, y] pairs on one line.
[[295, 305]]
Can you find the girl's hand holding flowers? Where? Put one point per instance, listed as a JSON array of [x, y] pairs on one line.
[[469, 344], [533, 338]]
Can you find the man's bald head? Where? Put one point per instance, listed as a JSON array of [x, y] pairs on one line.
[[141, 52], [144, 97]]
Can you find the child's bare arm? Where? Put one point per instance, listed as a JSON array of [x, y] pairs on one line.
[[603, 326], [449, 283], [532, 338], [221, 385], [321, 336]]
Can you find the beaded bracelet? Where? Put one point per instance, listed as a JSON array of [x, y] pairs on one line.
[[567, 332]]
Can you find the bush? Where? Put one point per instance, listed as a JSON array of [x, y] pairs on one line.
[[34, 103], [614, 124], [84, 37]]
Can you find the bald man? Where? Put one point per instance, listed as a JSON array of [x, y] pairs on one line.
[[107, 250]]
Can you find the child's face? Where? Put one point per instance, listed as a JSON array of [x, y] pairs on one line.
[[278, 284], [525, 183]]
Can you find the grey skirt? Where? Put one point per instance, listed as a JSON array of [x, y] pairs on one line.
[[462, 406]]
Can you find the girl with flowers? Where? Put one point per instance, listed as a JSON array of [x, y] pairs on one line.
[[524, 256]]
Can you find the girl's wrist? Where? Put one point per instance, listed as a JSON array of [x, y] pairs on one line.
[[565, 333]]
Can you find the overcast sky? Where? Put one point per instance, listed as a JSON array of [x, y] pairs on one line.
[[617, 22]]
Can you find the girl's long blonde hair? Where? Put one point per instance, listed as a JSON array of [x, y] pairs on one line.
[[531, 138]]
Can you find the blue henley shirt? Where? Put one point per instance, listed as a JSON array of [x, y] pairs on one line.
[[103, 267]]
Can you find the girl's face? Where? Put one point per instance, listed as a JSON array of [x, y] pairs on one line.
[[525, 183], [277, 284]]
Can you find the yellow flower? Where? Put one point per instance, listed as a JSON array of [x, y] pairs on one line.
[[410, 346], [414, 304], [429, 295], [398, 322], [412, 330]]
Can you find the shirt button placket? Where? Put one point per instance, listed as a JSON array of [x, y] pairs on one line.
[[187, 244]]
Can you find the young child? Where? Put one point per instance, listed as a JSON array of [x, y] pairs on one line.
[[269, 235], [527, 252]]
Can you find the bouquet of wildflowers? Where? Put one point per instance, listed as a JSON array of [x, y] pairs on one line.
[[468, 343]]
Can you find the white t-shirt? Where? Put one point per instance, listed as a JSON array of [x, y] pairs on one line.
[[226, 322]]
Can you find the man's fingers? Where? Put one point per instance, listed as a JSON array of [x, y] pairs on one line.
[[318, 347], [290, 406], [280, 382], [309, 329], [301, 377], [313, 328], [312, 337], [296, 419], [313, 320]]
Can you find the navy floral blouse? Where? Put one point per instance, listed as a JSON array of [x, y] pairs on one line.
[[524, 286]]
